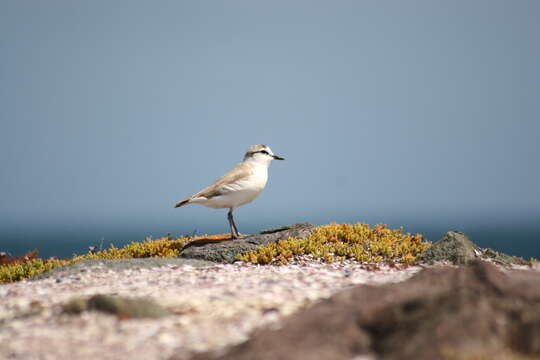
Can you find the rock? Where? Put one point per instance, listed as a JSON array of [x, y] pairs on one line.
[[472, 311], [115, 265], [503, 259], [454, 247], [116, 305], [227, 250]]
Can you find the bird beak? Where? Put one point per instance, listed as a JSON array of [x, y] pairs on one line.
[[277, 157]]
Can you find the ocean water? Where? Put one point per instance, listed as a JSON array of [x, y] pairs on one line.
[[514, 240]]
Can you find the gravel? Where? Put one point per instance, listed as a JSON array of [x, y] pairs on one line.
[[213, 307]]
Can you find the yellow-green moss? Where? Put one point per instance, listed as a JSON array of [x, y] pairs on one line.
[[163, 247], [20, 271], [336, 242]]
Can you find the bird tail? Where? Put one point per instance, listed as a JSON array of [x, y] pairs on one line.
[[182, 203]]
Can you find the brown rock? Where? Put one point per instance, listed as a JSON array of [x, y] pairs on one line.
[[473, 311]]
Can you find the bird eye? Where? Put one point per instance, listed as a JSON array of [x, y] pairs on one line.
[[264, 152]]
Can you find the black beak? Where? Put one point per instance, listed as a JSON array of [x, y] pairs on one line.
[[277, 157]]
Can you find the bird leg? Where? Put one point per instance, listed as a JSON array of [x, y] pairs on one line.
[[234, 229]]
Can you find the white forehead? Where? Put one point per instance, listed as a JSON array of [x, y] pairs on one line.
[[256, 148]]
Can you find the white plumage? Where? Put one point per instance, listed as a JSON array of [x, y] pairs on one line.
[[239, 186]]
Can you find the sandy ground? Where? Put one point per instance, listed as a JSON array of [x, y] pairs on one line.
[[214, 307]]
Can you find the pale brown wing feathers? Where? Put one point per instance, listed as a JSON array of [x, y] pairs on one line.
[[239, 171]]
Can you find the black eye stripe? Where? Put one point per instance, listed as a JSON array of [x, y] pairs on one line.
[[264, 152]]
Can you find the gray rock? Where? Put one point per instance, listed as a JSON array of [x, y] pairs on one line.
[[115, 265], [454, 247], [502, 258], [116, 305], [225, 251]]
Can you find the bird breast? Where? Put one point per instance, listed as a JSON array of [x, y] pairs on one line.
[[250, 185]]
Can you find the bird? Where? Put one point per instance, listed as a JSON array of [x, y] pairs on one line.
[[239, 186]]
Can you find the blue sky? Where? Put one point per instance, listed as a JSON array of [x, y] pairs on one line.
[[418, 112]]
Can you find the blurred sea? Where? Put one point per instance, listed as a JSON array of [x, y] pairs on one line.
[[519, 240]]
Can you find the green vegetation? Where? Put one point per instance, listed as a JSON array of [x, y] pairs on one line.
[[164, 248], [27, 268], [337, 242], [334, 242], [23, 267]]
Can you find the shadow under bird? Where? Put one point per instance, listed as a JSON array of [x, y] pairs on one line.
[[239, 186]]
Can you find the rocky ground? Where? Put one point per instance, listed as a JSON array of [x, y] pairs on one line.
[[210, 307], [469, 312], [196, 308]]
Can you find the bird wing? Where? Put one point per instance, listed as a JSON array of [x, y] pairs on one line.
[[240, 171]]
